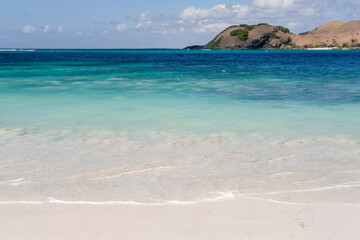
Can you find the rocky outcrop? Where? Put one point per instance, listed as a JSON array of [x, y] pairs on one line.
[[195, 47], [251, 37], [264, 36]]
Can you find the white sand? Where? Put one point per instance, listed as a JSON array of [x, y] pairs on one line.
[[319, 215], [323, 48]]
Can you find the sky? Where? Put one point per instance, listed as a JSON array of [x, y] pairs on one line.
[[155, 23]]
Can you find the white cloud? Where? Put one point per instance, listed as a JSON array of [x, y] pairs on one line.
[[298, 15], [217, 12], [200, 24], [215, 19], [143, 16], [144, 24], [192, 13], [212, 27], [105, 32], [121, 27], [29, 29], [46, 28], [240, 11], [292, 25], [273, 3]]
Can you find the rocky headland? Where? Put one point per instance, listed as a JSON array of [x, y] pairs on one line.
[[332, 35]]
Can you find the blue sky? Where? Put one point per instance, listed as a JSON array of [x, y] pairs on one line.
[[155, 23]]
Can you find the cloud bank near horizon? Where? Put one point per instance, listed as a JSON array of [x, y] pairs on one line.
[[194, 24]]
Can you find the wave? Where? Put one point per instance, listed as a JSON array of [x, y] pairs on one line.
[[117, 79], [15, 182], [132, 172], [165, 165], [17, 50], [316, 189], [337, 139], [219, 196], [182, 138]]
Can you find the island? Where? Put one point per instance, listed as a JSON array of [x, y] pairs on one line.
[[332, 35]]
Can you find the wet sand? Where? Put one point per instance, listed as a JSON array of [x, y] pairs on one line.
[[312, 215]]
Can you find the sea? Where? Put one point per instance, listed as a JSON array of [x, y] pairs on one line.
[[168, 126]]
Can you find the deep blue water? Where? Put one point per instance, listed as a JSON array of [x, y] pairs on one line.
[[208, 80]]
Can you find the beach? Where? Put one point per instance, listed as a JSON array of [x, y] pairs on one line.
[[176, 144], [303, 217]]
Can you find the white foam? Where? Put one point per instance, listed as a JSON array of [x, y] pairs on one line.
[[326, 188], [272, 200], [117, 79], [141, 165], [219, 196], [17, 180], [20, 202], [339, 139], [17, 50], [283, 175], [53, 82], [132, 172], [58, 201], [14, 182]]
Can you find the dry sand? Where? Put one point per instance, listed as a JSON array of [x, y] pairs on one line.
[[333, 214]]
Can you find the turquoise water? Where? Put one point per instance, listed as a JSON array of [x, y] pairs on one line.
[[176, 125]]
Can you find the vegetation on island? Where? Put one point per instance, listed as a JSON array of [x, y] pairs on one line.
[[272, 37], [284, 29], [322, 45], [247, 27], [214, 43], [292, 45], [241, 34]]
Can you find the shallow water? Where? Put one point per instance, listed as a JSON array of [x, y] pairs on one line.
[[155, 126]]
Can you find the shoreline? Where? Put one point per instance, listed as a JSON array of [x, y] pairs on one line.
[[124, 145], [311, 215], [339, 193]]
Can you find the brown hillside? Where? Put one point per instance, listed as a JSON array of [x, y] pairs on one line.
[[264, 36], [332, 34], [251, 37]]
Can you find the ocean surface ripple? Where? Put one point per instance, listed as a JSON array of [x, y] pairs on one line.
[[176, 126]]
